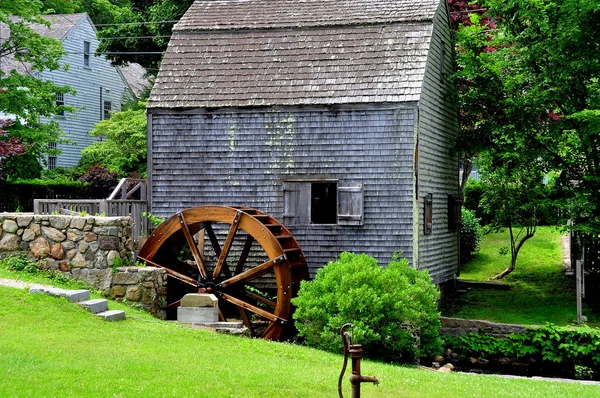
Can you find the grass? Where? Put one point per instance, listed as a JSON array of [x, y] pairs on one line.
[[539, 290], [50, 347]]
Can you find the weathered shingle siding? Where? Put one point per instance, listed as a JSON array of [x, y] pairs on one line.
[[438, 161], [87, 82], [241, 157]]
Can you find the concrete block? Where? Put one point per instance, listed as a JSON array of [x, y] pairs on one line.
[[76, 296], [199, 300], [112, 315], [95, 306], [197, 315]]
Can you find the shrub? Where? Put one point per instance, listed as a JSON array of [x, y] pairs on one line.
[[470, 235], [19, 262], [100, 181], [567, 347], [393, 309], [23, 166]]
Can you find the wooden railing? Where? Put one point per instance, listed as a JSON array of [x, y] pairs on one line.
[[105, 207]]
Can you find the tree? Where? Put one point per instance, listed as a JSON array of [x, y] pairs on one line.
[[145, 28], [24, 99], [124, 150], [516, 196], [530, 89]]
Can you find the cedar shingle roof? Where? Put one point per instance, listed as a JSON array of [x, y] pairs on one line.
[[295, 52]]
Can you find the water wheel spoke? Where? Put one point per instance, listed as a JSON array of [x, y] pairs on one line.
[[252, 308], [246, 321], [190, 241], [227, 245], [244, 254], [174, 274], [173, 305], [260, 298], [253, 273]]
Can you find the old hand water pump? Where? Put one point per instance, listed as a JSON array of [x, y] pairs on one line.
[[355, 351]]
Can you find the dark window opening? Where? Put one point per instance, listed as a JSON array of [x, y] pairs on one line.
[[323, 203], [86, 54]]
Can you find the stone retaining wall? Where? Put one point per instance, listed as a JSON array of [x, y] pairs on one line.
[[459, 326], [86, 248]]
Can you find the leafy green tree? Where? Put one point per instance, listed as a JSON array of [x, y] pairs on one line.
[[24, 99], [124, 150], [516, 197], [529, 91], [145, 29]]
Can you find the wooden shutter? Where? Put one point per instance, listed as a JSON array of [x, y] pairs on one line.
[[296, 201], [454, 212], [350, 204], [428, 214]]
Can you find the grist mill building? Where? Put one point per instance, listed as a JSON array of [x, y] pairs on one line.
[[336, 117]]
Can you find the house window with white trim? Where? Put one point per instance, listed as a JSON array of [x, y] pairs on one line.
[[106, 109], [86, 54], [51, 157], [60, 101]]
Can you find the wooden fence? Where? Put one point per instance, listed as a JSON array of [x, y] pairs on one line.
[[118, 204]]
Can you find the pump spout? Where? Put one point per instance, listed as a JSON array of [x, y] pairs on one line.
[[357, 379]]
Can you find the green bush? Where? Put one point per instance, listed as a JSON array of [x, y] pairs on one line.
[[470, 235], [564, 346], [393, 309]]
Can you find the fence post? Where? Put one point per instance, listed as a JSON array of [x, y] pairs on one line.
[[104, 207]]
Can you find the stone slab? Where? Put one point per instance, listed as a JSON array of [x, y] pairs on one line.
[[197, 315], [73, 296], [199, 300], [76, 296], [95, 306], [112, 315]]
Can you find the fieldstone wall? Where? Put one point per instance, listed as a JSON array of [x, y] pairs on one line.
[[86, 248], [459, 326], [146, 286]]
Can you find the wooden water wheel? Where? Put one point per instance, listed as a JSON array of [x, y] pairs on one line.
[[229, 251]]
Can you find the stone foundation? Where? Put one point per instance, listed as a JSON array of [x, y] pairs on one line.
[[86, 248], [459, 326]]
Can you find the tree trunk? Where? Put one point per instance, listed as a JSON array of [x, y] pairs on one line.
[[514, 249]]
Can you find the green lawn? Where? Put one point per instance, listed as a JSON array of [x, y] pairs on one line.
[[539, 290], [50, 347]]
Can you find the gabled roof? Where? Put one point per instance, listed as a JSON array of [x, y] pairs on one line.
[[60, 25], [135, 77], [253, 14], [295, 52]]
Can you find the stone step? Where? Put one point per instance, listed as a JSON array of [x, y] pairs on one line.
[[112, 315], [95, 306], [73, 296]]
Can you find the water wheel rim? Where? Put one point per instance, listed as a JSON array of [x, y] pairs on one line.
[[190, 219]]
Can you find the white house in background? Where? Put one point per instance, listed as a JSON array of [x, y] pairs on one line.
[[101, 88]]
